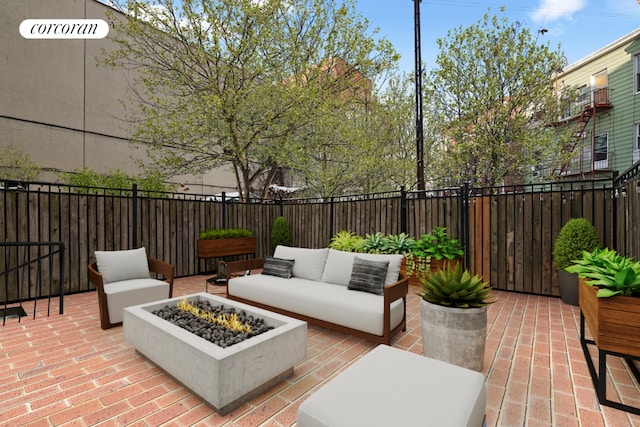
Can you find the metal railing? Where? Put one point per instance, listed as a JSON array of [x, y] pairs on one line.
[[29, 273], [508, 232]]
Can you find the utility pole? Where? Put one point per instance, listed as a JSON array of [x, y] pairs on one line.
[[419, 119]]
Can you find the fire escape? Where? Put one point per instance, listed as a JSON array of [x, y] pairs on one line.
[[587, 110]]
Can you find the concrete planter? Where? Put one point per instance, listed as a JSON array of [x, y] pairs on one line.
[[454, 335]]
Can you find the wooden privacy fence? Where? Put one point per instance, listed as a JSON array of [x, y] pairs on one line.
[[508, 235], [511, 235]]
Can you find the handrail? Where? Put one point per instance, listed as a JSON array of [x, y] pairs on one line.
[[55, 248]]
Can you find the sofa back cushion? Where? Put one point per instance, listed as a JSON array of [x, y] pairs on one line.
[[115, 266], [308, 263], [339, 265]]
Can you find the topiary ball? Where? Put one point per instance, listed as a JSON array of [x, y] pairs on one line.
[[576, 236]]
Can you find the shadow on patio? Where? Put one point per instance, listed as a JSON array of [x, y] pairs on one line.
[[65, 370]]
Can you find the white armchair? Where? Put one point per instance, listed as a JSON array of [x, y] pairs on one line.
[[123, 278]]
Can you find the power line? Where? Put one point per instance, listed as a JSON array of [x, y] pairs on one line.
[[484, 5]]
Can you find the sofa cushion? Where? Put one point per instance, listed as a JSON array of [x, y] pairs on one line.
[[115, 266], [309, 263], [339, 264], [278, 267], [368, 276], [323, 301]]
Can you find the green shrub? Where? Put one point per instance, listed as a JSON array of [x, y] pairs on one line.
[[438, 245], [399, 244], [116, 182], [576, 236], [225, 233], [372, 244], [280, 232]]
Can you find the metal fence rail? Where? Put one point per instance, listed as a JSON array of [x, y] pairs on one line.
[[508, 232], [30, 272]]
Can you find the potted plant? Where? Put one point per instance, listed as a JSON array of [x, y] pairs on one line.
[[432, 252], [280, 233], [345, 240], [453, 310], [576, 236], [417, 267], [217, 243], [398, 244], [609, 286]]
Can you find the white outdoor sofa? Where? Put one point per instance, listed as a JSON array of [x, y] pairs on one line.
[[323, 287]]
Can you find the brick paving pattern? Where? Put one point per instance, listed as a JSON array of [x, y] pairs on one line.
[[66, 371]]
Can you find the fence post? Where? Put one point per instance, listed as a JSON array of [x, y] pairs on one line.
[[224, 210], [135, 215], [614, 220], [464, 223], [331, 217], [403, 210]]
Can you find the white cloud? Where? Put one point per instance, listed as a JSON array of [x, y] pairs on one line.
[[552, 10]]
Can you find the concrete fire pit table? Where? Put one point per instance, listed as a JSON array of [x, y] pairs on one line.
[[223, 377]]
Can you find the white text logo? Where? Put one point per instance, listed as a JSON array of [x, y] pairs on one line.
[[64, 29]]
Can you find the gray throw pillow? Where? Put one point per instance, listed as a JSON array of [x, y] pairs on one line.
[[368, 276], [278, 267]]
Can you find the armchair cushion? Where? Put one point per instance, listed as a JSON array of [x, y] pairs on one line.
[[116, 266], [126, 293]]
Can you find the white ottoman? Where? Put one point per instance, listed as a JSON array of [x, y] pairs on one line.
[[391, 387]]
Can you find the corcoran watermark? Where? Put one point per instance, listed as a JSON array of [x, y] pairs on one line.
[[64, 29]]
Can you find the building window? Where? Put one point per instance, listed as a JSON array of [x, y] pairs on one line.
[[636, 142], [583, 98], [601, 151], [636, 71]]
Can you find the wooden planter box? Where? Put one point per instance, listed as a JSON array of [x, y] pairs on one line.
[[439, 264], [613, 321], [226, 247], [434, 265]]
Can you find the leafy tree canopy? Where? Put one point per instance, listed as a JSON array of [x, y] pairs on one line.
[[116, 182], [244, 83], [16, 165], [494, 90]]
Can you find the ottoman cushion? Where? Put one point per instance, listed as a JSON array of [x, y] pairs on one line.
[[392, 387]]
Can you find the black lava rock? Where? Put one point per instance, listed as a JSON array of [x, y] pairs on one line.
[[211, 331]]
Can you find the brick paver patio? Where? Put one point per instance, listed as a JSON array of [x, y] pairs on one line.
[[63, 370]]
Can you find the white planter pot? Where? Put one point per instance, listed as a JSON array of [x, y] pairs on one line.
[[454, 335]]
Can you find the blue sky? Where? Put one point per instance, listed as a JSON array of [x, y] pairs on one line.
[[579, 26]]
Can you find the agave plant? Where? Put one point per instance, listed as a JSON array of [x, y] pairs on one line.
[[611, 272], [345, 240], [454, 286]]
